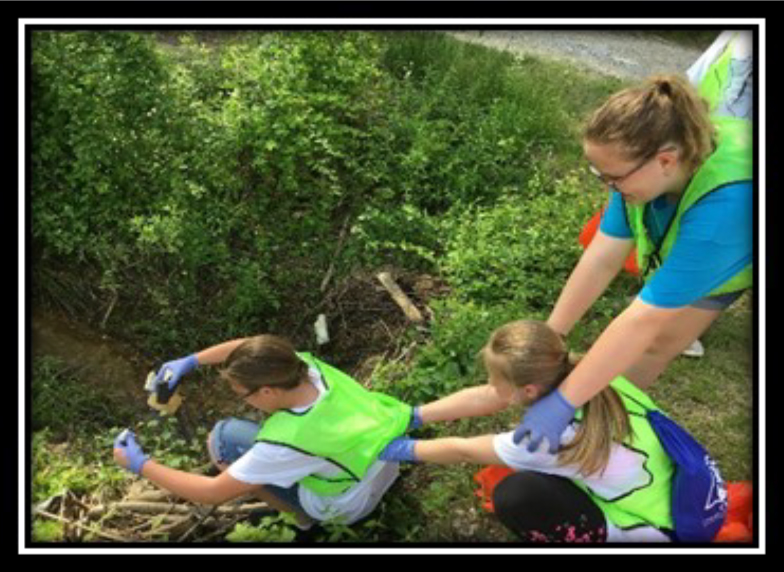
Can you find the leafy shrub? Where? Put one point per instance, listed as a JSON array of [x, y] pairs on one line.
[[194, 177], [463, 124], [521, 249], [202, 188], [270, 529], [80, 466], [449, 361]]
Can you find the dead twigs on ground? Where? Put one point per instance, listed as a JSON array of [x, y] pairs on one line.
[[143, 515]]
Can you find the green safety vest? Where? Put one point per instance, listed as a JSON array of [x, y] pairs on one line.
[[648, 505], [731, 162], [716, 80], [349, 426]]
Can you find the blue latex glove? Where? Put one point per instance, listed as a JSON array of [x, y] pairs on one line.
[[178, 368], [547, 418], [416, 419], [126, 442], [399, 450]]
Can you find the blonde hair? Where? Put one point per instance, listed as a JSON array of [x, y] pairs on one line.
[[530, 352], [664, 109], [264, 360]]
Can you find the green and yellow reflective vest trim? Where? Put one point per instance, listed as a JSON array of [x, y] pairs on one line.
[[649, 504], [731, 162], [349, 426]]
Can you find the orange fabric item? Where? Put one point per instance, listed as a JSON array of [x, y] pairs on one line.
[[589, 231], [488, 478], [738, 526]]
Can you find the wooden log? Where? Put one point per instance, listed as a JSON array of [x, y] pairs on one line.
[[400, 298]]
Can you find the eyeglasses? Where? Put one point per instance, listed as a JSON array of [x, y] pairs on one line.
[[613, 182], [249, 393]]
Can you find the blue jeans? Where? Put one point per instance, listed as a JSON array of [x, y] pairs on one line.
[[231, 439]]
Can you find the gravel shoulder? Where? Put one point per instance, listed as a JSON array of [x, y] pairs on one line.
[[621, 54]]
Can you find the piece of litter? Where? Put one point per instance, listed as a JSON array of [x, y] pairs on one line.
[[322, 336]]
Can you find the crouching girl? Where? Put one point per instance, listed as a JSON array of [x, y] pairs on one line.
[[610, 480], [316, 455]]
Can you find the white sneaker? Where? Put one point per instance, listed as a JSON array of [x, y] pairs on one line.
[[694, 350]]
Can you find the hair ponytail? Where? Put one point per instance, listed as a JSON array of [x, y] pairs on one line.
[[604, 422], [530, 352]]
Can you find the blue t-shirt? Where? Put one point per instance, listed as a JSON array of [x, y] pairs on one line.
[[715, 241]]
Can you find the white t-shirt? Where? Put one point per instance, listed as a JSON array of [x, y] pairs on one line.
[[625, 472], [266, 464]]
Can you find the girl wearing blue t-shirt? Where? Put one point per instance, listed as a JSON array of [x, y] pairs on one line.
[[681, 193]]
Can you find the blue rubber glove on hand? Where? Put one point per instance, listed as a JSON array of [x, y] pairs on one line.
[[178, 368], [547, 418], [134, 456], [399, 450], [416, 419]]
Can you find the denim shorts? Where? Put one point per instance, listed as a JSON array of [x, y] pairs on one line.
[[720, 302], [231, 439]]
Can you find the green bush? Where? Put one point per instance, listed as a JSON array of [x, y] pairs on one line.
[[523, 248], [183, 177], [83, 466], [463, 124], [449, 360], [202, 188]]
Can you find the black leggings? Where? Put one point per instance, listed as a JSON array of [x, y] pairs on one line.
[[545, 508]]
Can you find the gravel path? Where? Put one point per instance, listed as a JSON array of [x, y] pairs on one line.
[[617, 53]]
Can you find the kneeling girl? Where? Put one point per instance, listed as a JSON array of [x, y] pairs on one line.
[[610, 480]]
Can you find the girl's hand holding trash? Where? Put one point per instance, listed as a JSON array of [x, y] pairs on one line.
[[172, 371], [128, 453]]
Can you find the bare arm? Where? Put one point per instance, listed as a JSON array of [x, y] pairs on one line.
[[598, 266], [451, 450], [471, 402], [196, 488], [218, 353], [621, 344]]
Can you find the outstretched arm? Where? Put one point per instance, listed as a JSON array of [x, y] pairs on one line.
[[451, 450], [218, 353], [446, 451], [197, 488], [476, 401]]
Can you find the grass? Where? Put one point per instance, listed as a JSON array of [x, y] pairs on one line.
[[713, 396]]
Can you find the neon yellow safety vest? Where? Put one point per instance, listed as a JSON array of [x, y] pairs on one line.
[[716, 79], [649, 504], [349, 426], [731, 162]]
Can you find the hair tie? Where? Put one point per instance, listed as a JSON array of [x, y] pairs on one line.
[[664, 87]]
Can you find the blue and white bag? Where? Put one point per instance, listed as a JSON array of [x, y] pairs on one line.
[[699, 494]]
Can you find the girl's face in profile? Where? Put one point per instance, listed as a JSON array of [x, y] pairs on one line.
[[504, 389], [638, 181]]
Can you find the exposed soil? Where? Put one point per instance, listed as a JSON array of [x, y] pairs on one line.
[[365, 326]]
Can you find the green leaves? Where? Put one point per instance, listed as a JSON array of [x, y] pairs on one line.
[[209, 184]]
